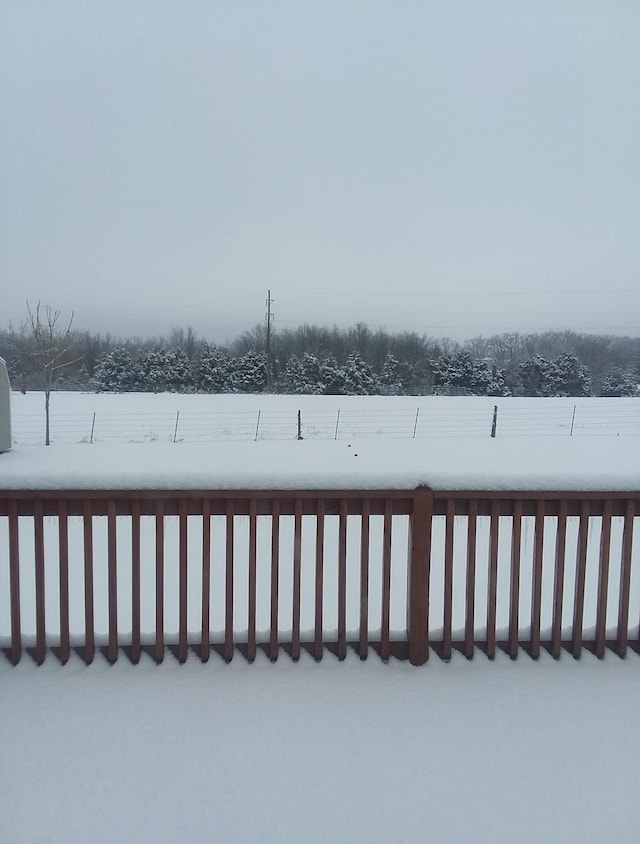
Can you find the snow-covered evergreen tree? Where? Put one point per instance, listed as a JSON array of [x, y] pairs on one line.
[[178, 377], [534, 375], [453, 374], [213, 373], [292, 378], [569, 377], [563, 376], [488, 380], [302, 375], [391, 377], [312, 374], [460, 374], [618, 383], [360, 379], [116, 372], [332, 377], [250, 373], [153, 367]]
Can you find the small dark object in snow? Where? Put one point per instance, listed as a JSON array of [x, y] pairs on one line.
[[355, 455]]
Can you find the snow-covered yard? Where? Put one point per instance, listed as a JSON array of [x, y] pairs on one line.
[[469, 751], [180, 418], [355, 752]]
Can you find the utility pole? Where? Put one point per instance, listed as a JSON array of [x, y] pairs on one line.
[[269, 317]]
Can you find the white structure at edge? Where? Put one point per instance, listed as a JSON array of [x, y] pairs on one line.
[[5, 408]]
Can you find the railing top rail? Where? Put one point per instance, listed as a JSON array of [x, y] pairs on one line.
[[270, 494], [226, 494], [399, 502]]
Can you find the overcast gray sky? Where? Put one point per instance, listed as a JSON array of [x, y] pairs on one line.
[[453, 168]]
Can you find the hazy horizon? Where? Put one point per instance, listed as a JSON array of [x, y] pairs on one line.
[[452, 169]]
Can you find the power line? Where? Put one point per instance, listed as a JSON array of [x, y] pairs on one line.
[[459, 327], [467, 293]]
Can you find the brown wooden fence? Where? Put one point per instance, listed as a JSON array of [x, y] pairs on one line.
[[502, 515]]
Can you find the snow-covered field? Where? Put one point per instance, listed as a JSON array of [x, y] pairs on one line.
[[375, 448], [170, 417], [349, 752]]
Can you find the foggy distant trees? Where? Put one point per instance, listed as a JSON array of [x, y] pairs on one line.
[[325, 360]]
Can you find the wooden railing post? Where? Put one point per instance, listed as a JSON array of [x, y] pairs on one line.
[[418, 576], [41, 634], [89, 627]]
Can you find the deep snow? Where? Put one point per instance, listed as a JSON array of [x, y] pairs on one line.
[[364, 456], [355, 752]]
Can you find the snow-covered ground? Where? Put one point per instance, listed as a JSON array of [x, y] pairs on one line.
[[133, 443], [171, 417], [478, 752], [349, 752]]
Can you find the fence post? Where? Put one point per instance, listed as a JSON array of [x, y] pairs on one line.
[[494, 421], [255, 439], [93, 426], [337, 424], [415, 424], [573, 419], [418, 576], [299, 437], [175, 430]]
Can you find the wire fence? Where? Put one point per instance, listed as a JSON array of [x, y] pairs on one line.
[[339, 424]]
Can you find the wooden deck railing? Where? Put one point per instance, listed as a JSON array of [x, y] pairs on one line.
[[36, 537]]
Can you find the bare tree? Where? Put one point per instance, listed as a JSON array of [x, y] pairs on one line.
[[186, 341], [52, 342]]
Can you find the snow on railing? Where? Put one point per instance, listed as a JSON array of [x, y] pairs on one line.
[[219, 571]]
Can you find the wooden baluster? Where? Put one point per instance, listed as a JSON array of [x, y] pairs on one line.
[[603, 579], [158, 653], [205, 643], [536, 582], [275, 566], [558, 582], [364, 579], [470, 590], [251, 620], [136, 645], [63, 561], [385, 645], [297, 562], [492, 588], [89, 629], [228, 611], [318, 638], [342, 581], [581, 566], [514, 598], [112, 568], [447, 621], [183, 557], [625, 580], [38, 537]]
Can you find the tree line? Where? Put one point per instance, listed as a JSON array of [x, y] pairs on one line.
[[321, 360]]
